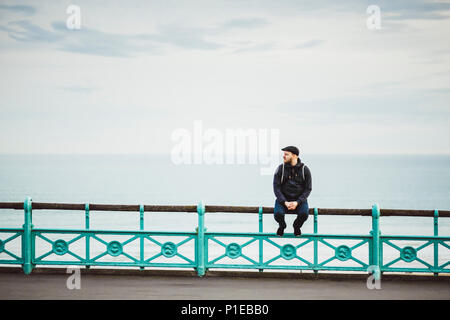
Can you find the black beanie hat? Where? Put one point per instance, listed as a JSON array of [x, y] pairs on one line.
[[292, 149]]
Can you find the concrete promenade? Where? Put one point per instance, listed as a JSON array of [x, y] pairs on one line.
[[50, 283]]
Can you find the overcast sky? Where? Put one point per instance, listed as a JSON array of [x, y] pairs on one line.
[[137, 71]]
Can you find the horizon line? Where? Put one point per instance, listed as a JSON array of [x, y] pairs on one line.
[[168, 153]]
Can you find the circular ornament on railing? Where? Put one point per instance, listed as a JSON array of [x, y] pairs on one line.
[[114, 248], [169, 249], [408, 254], [343, 253], [288, 251], [60, 247], [233, 250]]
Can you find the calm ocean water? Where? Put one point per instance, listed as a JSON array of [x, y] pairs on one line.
[[339, 181]]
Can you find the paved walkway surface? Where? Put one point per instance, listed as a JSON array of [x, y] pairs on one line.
[[101, 286]]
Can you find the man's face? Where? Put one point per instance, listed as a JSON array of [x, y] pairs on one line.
[[287, 156]]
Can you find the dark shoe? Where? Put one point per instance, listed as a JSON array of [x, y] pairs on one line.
[[297, 232], [280, 231]]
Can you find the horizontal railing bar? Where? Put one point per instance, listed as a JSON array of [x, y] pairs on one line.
[[11, 261], [113, 207], [11, 205], [285, 267], [412, 237], [213, 208], [398, 269], [99, 207], [116, 264], [15, 230], [286, 235], [417, 213], [116, 232]]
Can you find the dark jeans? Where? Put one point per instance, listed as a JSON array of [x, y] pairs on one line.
[[280, 210]]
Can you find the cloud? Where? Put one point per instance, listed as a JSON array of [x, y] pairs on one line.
[[196, 38], [309, 44], [414, 10], [255, 47], [25, 31], [184, 37], [95, 42], [27, 10], [245, 23], [390, 10], [412, 15]]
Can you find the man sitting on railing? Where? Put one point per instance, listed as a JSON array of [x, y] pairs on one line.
[[292, 186]]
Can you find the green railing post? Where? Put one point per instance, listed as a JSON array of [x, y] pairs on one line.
[[316, 253], [436, 243], [260, 219], [376, 246], [88, 236], [201, 239], [141, 227], [27, 243]]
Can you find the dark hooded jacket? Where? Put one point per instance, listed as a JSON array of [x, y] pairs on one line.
[[292, 183]]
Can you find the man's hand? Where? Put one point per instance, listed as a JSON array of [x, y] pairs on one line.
[[291, 205], [294, 205]]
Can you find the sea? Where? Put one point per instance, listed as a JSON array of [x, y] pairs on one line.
[[355, 181]]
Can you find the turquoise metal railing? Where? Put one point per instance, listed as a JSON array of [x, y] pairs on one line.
[[225, 250]]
